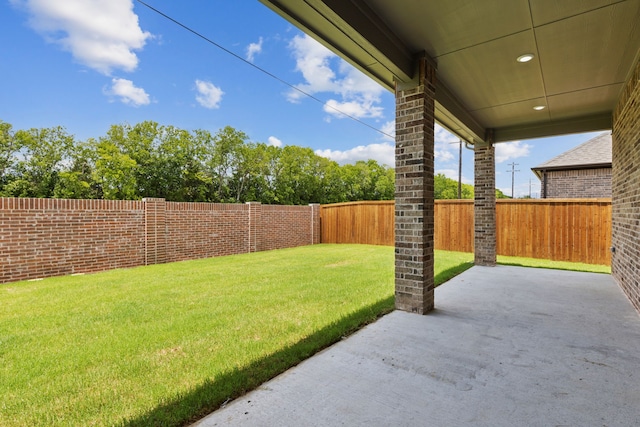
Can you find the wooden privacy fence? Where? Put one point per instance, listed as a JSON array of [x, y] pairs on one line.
[[576, 230]]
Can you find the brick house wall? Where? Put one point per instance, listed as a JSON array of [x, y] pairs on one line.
[[625, 260], [53, 237], [578, 183]]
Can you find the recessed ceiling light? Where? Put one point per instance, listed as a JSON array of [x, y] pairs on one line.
[[539, 107], [525, 58]]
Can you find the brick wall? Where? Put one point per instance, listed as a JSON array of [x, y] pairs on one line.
[[53, 237], [203, 230], [287, 229], [625, 261], [50, 237], [579, 183]]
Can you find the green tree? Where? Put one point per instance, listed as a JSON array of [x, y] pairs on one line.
[[178, 166], [139, 143], [150, 160], [223, 161], [263, 184], [115, 172], [447, 188], [77, 181], [9, 146], [248, 165], [44, 153], [332, 186], [299, 176], [368, 180]]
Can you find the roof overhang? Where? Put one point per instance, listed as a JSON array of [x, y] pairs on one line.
[[583, 53], [540, 170]]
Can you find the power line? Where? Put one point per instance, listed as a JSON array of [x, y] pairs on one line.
[[268, 73]]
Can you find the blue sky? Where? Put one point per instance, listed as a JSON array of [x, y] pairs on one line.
[[88, 64]]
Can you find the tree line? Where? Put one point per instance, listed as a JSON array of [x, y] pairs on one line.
[[150, 160]]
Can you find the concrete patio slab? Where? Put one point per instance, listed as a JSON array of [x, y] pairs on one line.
[[506, 346]]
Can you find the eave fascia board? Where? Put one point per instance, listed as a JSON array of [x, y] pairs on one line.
[[592, 123], [330, 28], [454, 110]]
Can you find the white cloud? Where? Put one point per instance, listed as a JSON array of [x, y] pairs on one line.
[[253, 49], [442, 152], [272, 140], [128, 92], [312, 60], [357, 109], [389, 128], [446, 149], [511, 150], [209, 95], [446, 145], [323, 71], [382, 153], [102, 35]]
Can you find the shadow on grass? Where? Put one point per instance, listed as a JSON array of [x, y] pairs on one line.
[[450, 273], [588, 268], [194, 405]]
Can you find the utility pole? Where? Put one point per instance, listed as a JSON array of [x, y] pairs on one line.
[[460, 171], [513, 171]]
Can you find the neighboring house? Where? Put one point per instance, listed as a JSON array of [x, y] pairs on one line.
[[582, 172]]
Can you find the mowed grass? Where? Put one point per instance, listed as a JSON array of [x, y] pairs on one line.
[[557, 265], [167, 344]]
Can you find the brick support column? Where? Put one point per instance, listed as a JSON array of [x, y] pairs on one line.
[[485, 203], [414, 215], [155, 227]]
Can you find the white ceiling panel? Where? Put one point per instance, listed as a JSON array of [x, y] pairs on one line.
[[584, 102], [584, 51], [442, 27], [488, 74], [521, 112], [547, 11]]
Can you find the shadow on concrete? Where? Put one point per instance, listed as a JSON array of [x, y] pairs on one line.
[[505, 346], [450, 273]]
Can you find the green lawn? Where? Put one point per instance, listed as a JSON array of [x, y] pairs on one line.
[[557, 265], [165, 344]]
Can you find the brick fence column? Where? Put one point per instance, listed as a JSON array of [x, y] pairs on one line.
[[485, 203], [414, 209], [255, 226], [155, 231], [315, 223]]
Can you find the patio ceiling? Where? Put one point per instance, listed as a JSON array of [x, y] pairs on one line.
[[583, 53]]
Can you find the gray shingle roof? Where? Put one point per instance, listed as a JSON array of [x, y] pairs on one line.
[[596, 151]]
